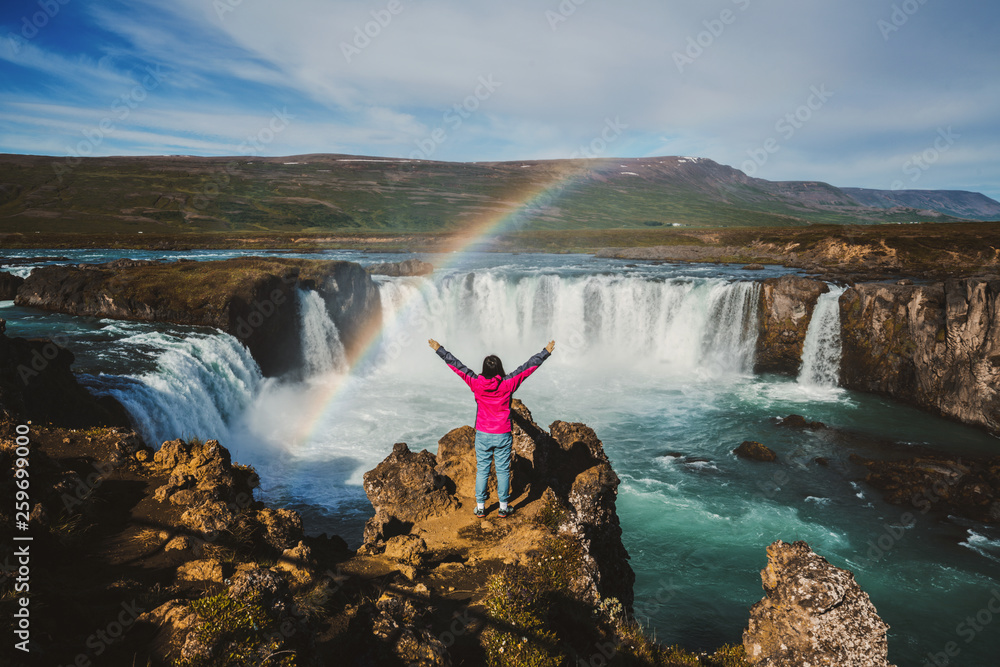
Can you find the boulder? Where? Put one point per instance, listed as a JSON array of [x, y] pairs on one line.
[[405, 488], [786, 307], [282, 528], [408, 549], [209, 569], [755, 451], [813, 613], [800, 422]]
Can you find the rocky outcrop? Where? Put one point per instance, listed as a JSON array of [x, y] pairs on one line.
[[254, 299], [408, 267], [564, 470], [786, 307], [37, 384], [968, 488], [755, 451], [9, 284], [936, 346], [812, 614]]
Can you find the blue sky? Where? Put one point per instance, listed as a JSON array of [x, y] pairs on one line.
[[867, 93]]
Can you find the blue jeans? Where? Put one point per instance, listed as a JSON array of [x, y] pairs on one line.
[[490, 446]]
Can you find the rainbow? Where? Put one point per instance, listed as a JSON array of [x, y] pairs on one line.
[[515, 214]]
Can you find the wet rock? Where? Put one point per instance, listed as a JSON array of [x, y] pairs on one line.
[[964, 487], [800, 422], [812, 614], [786, 307], [755, 451]]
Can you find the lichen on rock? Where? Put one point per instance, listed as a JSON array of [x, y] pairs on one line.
[[813, 613]]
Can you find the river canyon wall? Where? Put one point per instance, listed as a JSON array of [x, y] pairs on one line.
[[254, 299]]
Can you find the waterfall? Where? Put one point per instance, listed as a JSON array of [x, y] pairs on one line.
[[202, 382], [322, 349], [821, 350], [704, 326]]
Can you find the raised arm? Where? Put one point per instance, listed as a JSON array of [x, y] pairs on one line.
[[530, 366], [453, 363]]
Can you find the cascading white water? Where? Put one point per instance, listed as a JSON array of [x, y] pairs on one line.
[[202, 382], [821, 349], [704, 327], [322, 349]]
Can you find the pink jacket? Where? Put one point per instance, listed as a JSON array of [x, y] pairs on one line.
[[493, 394]]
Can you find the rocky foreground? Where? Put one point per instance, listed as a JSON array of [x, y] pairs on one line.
[[166, 558]]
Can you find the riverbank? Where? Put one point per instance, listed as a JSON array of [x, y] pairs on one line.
[[844, 252]]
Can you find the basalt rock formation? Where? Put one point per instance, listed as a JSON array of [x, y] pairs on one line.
[[9, 284], [254, 299], [936, 346], [37, 384], [967, 487], [812, 614], [786, 307]]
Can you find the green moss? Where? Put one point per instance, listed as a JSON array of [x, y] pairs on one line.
[[518, 604], [241, 633]]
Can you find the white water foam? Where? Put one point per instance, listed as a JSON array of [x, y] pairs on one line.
[[202, 383], [322, 349], [822, 348]]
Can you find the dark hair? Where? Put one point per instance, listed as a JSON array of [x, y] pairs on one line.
[[492, 366]]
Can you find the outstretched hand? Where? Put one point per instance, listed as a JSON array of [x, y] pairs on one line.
[[551, 346], [434, 344]]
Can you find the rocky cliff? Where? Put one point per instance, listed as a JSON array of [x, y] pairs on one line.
[[786, 307], [812, 614], [37, 384], [936, 346], [251, 298], [563, 487]]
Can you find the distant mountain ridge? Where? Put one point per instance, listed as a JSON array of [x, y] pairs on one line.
[[360, 193], [959, 203]]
